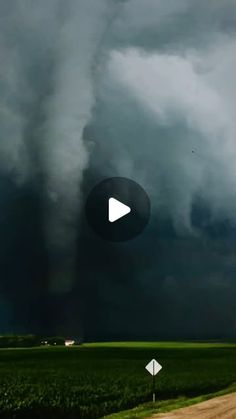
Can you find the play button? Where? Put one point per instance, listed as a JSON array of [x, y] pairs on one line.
[[118, 209]]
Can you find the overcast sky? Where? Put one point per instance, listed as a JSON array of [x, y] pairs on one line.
[[138, 88]]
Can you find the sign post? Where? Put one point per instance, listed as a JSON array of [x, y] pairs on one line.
[[153, 367]]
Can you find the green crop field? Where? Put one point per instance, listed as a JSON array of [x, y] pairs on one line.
[[94, 380]]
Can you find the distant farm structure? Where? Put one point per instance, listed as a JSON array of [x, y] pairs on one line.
[[61, 341], [29, 341], [69, 342]]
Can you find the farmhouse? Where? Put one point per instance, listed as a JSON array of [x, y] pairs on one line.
[[69, 342]]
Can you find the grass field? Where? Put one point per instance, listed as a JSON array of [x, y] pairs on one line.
[[95, 380]]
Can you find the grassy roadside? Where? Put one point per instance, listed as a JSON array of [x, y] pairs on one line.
[[148, 409], [161, 344]]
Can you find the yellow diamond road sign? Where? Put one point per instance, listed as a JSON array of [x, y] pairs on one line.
[[153, 367]]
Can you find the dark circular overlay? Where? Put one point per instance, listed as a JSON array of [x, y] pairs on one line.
[[127, 192]]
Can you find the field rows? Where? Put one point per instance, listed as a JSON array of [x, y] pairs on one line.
[[95, 380]]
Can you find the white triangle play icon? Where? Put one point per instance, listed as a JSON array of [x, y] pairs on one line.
[[117, 210]]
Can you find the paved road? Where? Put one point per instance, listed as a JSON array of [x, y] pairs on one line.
[[223, 407]]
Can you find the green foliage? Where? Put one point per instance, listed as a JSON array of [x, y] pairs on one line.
[[94, 380], [58, 340], [28, 341], [19, 341]]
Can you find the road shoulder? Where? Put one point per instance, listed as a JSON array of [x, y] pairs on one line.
[[222, 406]]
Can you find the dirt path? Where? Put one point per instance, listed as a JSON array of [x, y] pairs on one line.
[[223, 407]]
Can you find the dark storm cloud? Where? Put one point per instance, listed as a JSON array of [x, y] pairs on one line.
[[172, 25], [166, 107], [136, 88]]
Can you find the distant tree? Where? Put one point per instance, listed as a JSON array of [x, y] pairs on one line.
[[17, 341]]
